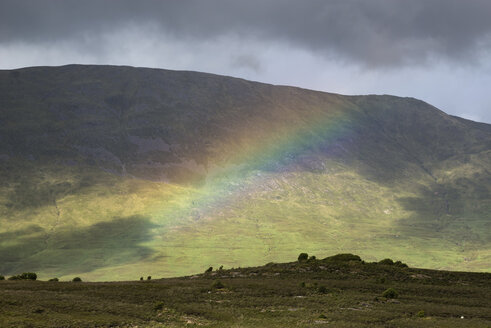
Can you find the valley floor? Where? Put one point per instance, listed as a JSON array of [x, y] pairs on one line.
[[313, 293]]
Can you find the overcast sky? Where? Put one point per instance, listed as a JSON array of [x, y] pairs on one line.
[[435, 50]]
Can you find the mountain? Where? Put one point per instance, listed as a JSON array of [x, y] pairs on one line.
[[117, 172]]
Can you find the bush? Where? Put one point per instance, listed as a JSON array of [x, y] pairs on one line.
[[158, 306], [77, 279], [210, 269], [400, 264], [28, 276], [381, 280], [303, 257], [322, 289], [346, 257], [25, 276], [54, 279], [390, 262], [217, 285], [2, 277], [149, 278], [420, 314], [312, 258], [390, 293], [386, 262]]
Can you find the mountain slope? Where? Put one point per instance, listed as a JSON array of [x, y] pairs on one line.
[[115, 172]]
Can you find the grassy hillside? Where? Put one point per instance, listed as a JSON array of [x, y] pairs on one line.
[[332, 292], [117, 172]]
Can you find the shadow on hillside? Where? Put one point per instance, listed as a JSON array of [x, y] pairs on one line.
[[358, 142], [103, 244], [31, 189], [454, 211]]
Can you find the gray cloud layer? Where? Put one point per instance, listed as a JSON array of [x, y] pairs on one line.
[[373, 33], [437, 50]]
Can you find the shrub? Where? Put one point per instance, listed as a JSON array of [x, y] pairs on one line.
[[390, 293], [303, 257], [77, 279], [346, 257], [312, 258], [210, 269], [28, 276], [2, 277], [322, 289], [54, 279], [141, 278], [25, 276], [420, 314], [217, 285], [400, 264], [322, 316], [302, 284], [390, 262], [386, 262], [149, 278], [381, 280], [158, 306]]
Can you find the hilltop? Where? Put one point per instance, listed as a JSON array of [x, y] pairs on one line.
[[117, 172], [338, 291]]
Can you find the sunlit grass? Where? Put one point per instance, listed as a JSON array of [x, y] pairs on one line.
[[266, 219]]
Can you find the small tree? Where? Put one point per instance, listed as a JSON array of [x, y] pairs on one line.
[[77, 279], [210, 269], [303, 257], [2, 277], [149, 278], [54, 279]]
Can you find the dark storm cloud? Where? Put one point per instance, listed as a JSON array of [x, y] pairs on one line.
[[373, 33]]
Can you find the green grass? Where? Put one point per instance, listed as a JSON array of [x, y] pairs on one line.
[[275, 295], [119, 232]]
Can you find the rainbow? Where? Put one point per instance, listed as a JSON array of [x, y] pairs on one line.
[[245, 169]]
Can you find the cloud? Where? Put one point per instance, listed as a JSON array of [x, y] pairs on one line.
[[435, 50], [375, 33], [247, 61]]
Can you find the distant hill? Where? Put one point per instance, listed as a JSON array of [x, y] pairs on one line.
[[118, 172]]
